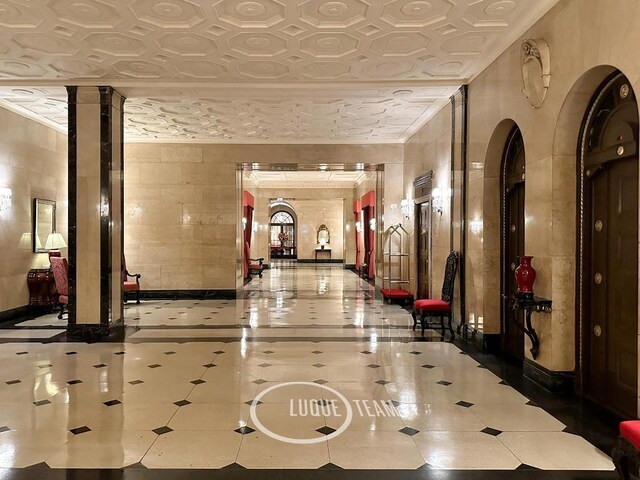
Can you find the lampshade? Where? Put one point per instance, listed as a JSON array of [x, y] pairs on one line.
[[55, 241]]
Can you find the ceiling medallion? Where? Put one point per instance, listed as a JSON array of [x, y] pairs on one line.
[[536, 71]]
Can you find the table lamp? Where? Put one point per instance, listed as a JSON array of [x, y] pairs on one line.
[[55, 241]]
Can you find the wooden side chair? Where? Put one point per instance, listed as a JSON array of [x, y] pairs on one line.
[[129, 286], [60, 268], [426, 308], [252, 267]]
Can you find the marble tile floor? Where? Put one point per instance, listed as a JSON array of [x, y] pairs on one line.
[[374, 398]]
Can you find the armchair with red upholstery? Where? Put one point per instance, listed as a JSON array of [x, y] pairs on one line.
[[60, 268], [129, 286], [426, 308], [252, 268]]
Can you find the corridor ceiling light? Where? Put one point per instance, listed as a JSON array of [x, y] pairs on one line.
[[5, 199], [324, 167]]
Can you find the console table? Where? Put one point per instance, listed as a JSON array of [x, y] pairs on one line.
[[528, 304], [321, 250], [42, 288]]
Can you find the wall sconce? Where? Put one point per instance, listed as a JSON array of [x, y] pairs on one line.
[[437, 201], [358, 227], [5, 199], [244, 223], [475, 226], [405, 208], [255, 226], [372, 224]]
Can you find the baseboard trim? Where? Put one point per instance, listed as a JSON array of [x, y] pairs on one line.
[[313, 260], [188, 294], [555, 382], [13, 314], [350, 266]]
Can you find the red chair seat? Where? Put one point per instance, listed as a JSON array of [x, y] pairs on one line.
[[432, 305], [255, 266], [631, 431], [131, 286]]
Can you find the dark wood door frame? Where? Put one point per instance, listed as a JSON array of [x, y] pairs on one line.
[[512, 197], [592, 159], [419, 203]]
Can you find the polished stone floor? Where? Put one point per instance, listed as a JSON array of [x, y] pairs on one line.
[[310, 370]]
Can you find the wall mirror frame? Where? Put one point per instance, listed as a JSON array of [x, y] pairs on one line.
[[323, 235], [44, 223]]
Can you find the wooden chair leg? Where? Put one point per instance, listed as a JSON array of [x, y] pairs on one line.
[[423, 323], [138, 297], [442, 326], [415, 319]]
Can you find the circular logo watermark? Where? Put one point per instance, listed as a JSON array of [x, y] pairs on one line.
[[301, 441]]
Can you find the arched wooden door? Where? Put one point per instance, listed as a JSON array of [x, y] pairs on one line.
[[512, 223], [610, 255]]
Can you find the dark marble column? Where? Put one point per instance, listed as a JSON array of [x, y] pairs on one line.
[[96, 180]]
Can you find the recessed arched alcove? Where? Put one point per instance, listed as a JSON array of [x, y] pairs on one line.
[[491, 224]]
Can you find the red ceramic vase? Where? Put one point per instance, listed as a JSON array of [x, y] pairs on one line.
[[525, 276]]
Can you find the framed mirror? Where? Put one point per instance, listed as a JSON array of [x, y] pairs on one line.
[[323, 235], [44, 223]]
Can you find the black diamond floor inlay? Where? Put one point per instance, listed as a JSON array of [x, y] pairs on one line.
[[135, 382], [409, 431], [464, 404], [260, 381], [74, 382], [99, 365], [71, 353], [428, 366], [39, 403], [197, 382], [170, 353], [382, 382], [322, 402], [162, 430], [444, 382], [12, 382], [316, 352], [491, 431], [79, 430], [218, 352], [318, 365], [155, 365], [264, 365], [209, 365], [4, 429], [111, 403], [244, 430], [182, 403], [367, 352], [251, 402], [395, 403], [524, 466], [330, 466], [325, 430], [373, 365], [320, 381]]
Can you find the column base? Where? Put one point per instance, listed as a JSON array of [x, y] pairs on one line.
[[555, 382], [94, 333]]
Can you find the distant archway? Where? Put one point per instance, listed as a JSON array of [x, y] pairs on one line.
[[282, 231]]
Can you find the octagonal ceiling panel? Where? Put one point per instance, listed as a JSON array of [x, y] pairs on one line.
[[347, 48]]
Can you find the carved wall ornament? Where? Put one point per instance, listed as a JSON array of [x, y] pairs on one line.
[[536, 71]]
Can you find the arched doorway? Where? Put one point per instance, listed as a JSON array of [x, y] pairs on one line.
[[512, 227], [282, 235], [608, 191]]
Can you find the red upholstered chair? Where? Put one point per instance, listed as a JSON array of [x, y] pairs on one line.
[[252, 268], [626, 454], [424, 309], [128, 286], [60, 269]]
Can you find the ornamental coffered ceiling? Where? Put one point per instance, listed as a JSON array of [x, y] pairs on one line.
[[255, 70]]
